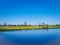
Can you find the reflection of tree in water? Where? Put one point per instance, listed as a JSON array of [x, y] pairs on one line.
[[45, 29]]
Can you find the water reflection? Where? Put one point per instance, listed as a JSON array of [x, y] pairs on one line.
[[30, 37]]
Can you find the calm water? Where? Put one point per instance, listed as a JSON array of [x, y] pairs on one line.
[[31, 37]]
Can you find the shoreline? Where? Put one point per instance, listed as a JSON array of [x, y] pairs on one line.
[[13, 28]]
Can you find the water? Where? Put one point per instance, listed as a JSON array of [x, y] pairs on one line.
[[31, 37]]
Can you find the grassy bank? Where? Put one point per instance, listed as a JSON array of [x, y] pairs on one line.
[[9, 28]]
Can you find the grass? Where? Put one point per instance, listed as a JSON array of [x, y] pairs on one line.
[[12, 28]]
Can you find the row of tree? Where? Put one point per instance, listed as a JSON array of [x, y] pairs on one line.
[[25, 24]]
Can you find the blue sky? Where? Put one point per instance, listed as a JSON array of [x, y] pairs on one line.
[[30, 11]]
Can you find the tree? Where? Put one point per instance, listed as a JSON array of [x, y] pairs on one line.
[[25, 23], [43, 23], [4, 24]]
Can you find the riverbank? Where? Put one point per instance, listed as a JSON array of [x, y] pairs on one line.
[[12, 28]]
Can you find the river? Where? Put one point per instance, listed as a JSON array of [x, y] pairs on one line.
[[31, 37]]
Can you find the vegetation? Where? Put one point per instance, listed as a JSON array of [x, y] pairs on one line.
[[26, 27], [4, 28]]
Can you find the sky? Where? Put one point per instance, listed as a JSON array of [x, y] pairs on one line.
[[30, 11]]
